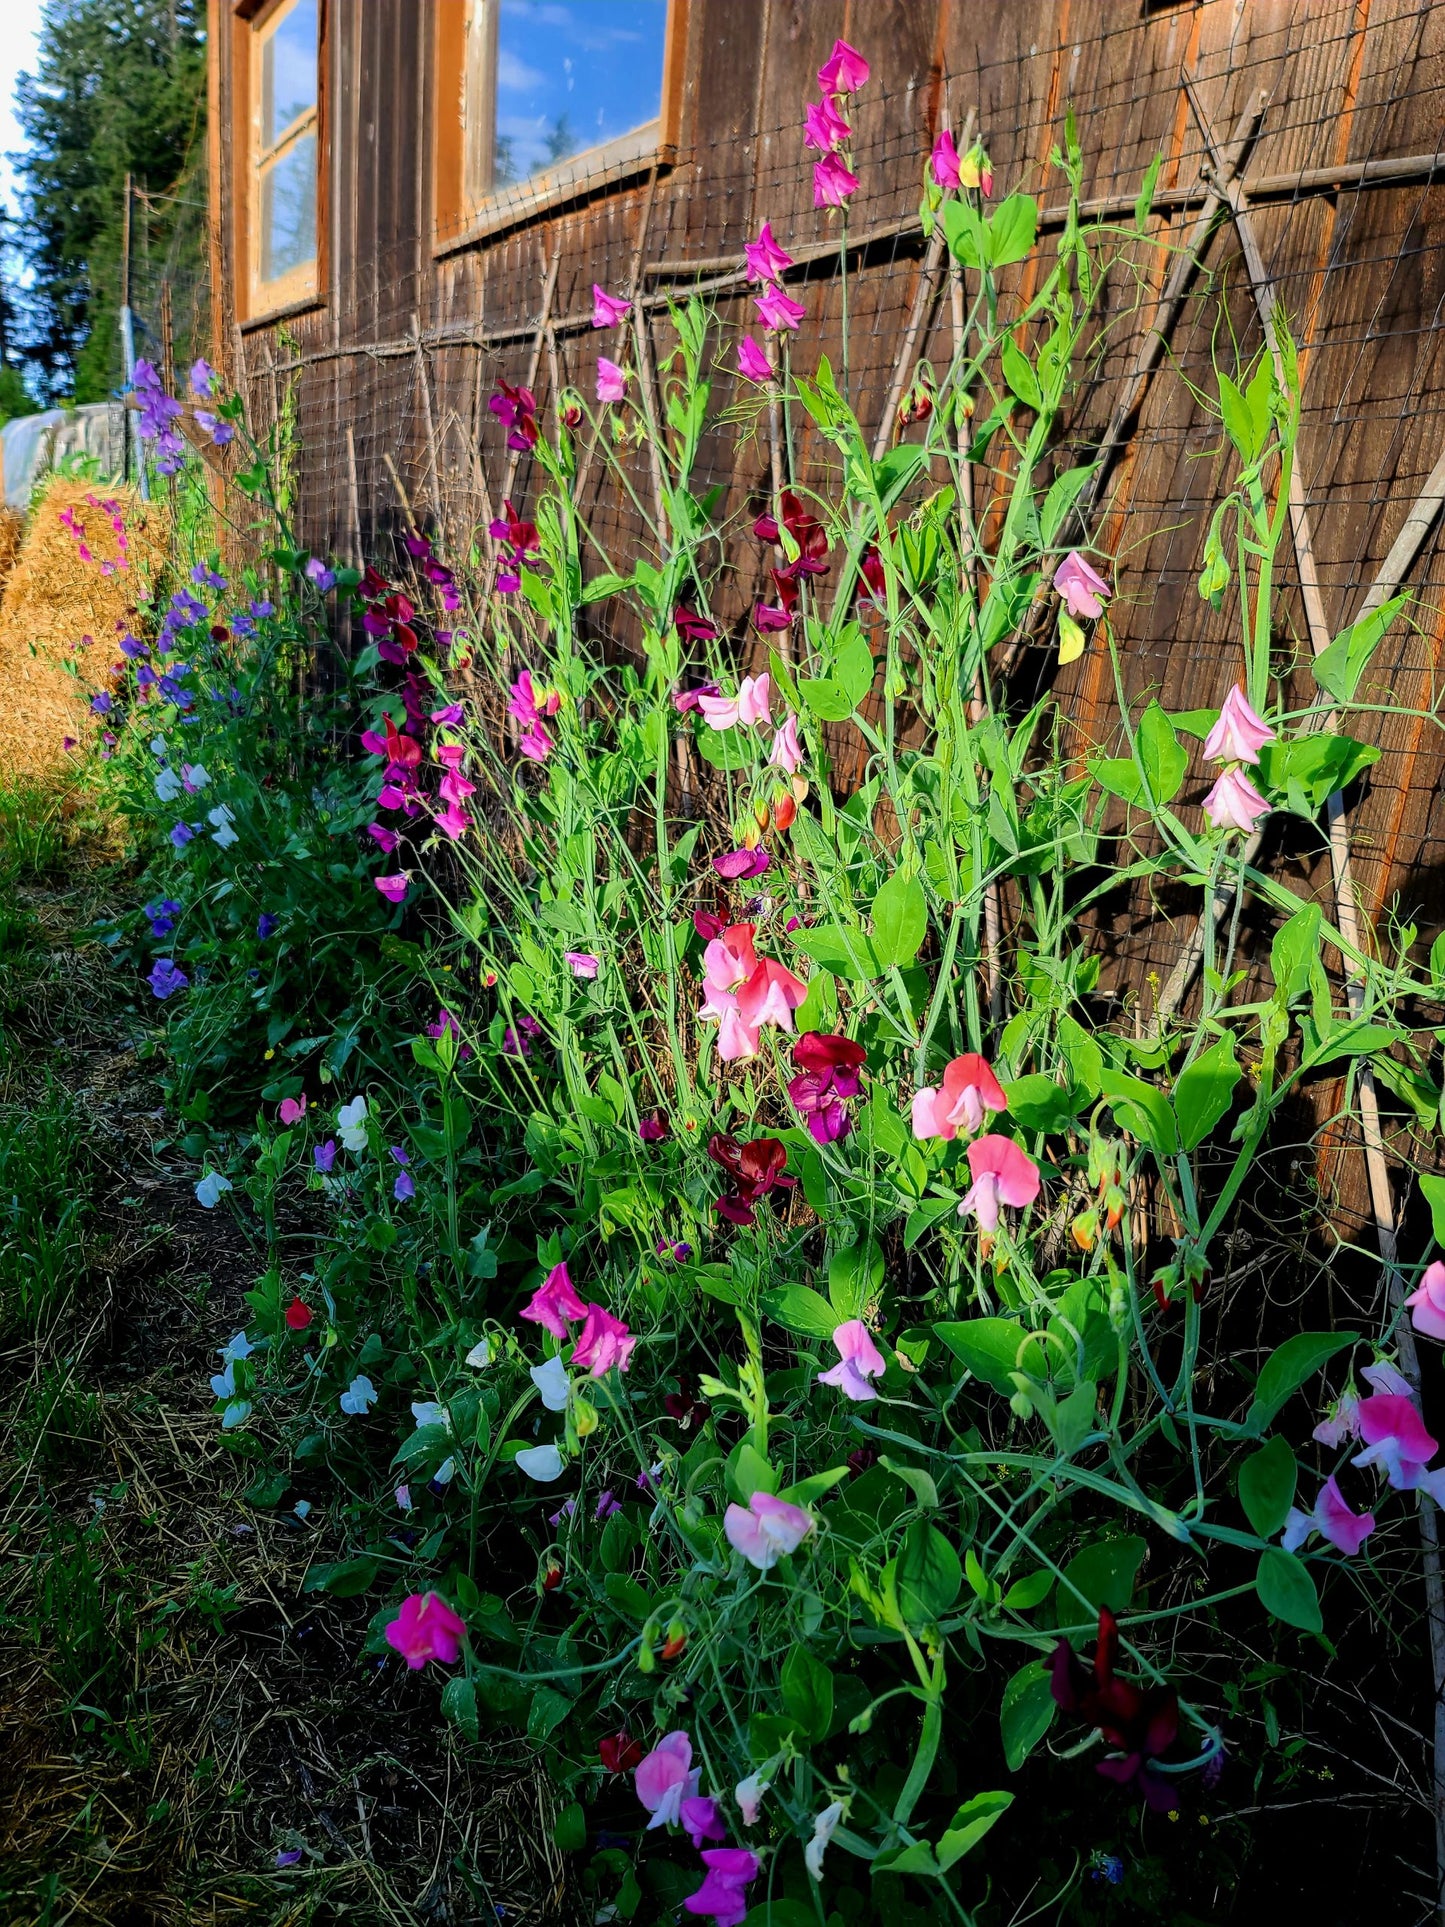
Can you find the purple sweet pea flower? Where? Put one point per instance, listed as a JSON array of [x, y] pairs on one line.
[[324, 578], [181, 835], [165, 979], [324, 1156], [266, 925], [742, 863]]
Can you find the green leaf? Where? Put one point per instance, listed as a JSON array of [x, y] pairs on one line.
[[1144, 202], [1205, 1090], [1030, 1591], [1295, 948], [928, 1574], [1119, 775], [855, 1276], [807, 1693], [853, 665], [1161, 758], [1266, 1486], [1035, 1103], [1245, 423], [1287, 1590], [919, 1482], [970, 1824], [602, 586], [1339, 668], [827, 700], [1434, 1190], [801, 1310], [1104, 1573], [548, 1710], [1310, 768], [900, 921], [915, 1859], [569, 1829], [1063, 493], [749, 1472], [1287, 1368], [1083, 1056], [993, 1348], [347, 1579], [1142, 1110], [725, 749], [897, 469], [459, 1705], [842, 949], [964, 231], [1026, 1714], [1019, 374], [1011, 231]]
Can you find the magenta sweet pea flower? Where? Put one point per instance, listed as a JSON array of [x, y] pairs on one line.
[[1083, 589], [944, 161], [453, 822], [859, 1360], [701, 1820], [1427, 1302], [665, 1778], [1234, 803], [1395, 1438], [833, 182], [778, 312], [1240, 734], [753, 362], [611, 380], [604, 1341], [723, 1893], [766, 260], [386, 840], [824, 127], [1332, 1519], [769, 620], [554, 1303], [426, 1628], [766, 1530], [394, 888], [844, 71], [1003, 1173], [608, 309], [582, 963], [742, 863]]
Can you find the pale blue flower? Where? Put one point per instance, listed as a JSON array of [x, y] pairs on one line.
[[359, 1396], [211, 1188]]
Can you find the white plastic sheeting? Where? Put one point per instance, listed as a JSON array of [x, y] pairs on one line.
[[33, 444]]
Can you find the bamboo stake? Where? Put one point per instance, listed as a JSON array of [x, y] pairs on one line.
[[355, 495], [634, 284], [433, 470]]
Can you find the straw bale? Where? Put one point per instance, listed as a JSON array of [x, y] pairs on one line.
[[59, 617]]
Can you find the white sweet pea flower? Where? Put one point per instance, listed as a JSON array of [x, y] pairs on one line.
[[359, 1396], [197, 776], [223, 834], [823, 1829], [445, 1472], [351, 1122], [223, 1384], [552, 1382], [236, 1413], [749, 1795], [158, 745], [541, 1462], [480, 1356], [211, 1189], [428, 1412], [167, 785]]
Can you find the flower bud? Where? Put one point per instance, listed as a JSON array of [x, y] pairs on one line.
[[784, 812], [1022, 1405]]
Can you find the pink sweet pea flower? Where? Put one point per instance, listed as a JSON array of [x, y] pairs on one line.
[[752, 704], [453, 822], [766, 260], [729, 960], [1395, 1437], [1343, 1423], [786, 752], [753, 362], [1427, 1303], [736, 1041], [944, 161], [608, 309], [611, 380], [844, 71], [1332, 1519], [1240, 734], [723, 1893], [1003, 1173], [824, 127], [969, 1089], [454, 787], [778, 311], [1383, 1377], [766, 1529], [292, 1110], [770, 996], [582, 962], [1083, 589], [535, 744], [1234, 803], [833, 182], [394, 888], [742, 863], [554, 1302], [426, 1628], [665, 1778], [386, 840], [604, 1341], [859, 1359], [701, 1820]]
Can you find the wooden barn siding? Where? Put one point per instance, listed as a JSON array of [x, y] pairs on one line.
[[1359, 272]]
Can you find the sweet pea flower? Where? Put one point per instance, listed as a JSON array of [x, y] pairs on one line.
[[582, 963], [211, 1188], [1395, 1438], [426, 1628], [844, 71], [723, 1893], [552, 1383], [298, 1314], [686, 700], [749, 1795], [833, 182], [292, 1110], [976, 170], [824, 127], [827, 1074], [824, 1827], [1138, 1723], [619, 1752], [359, 1396], [604, 1341], [203, 379], [351, 1122], [751, 704], [1234, 803], [608, 309], [766, 1530], [324, 1156], [1332, 1519], [394, 888], [386, 840], [1427, 1302], [1084, 591], [736, 864], [753, 363], [221, 819], [859, 1360], [701, 1820], [766, 260], [611, 380], [554, 1303], [542, 1463], [969, 1089], [1003, 1173], [780, 313], [944, 161], [1239, 734], [1343, 1423], [728, 961], [166, 978], [770, 996], [665, 1778], [787, 752]]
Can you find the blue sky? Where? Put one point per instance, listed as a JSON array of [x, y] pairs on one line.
[[17, 56]]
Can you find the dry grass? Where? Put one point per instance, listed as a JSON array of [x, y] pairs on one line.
[[59, 614]]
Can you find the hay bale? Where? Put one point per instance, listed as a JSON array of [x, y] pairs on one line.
[[59, 616]]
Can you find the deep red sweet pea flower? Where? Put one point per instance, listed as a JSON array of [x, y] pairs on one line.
[[516, 408], [620, 1753], [1140, 1722], [402, 751], [373, 584], [828, 1068], [692, 627], [755, 1168], [298, 1315], [872, 582]]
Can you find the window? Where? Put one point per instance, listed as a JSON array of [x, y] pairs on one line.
[[282, 75], [552, 95]]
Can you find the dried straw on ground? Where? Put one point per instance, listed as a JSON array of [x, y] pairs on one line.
[[59, 614]]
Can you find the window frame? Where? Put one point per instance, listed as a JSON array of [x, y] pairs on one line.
[[458, 221], [301, 287]]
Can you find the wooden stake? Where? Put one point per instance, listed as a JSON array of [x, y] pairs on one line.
[[355, 495]]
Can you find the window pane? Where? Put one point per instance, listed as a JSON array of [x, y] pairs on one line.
[[570, 76], [288, 210], [288, 71]]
